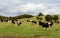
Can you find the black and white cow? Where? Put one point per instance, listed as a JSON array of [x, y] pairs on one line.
[[32, 21], [5, 20], [46, 25], [19, 23], [50, 23]]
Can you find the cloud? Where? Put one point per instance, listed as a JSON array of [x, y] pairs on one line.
[[33, 7], [53, 11], [29, 8]]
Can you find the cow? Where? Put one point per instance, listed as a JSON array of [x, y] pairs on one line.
[[50, 23], [32, 21], [19, 23], [5, 20], [28, 20], [1, 20], [13, 21], [57, 22], [45, 24], [16, 20]]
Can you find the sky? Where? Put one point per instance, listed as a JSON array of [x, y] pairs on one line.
[[33, 7]]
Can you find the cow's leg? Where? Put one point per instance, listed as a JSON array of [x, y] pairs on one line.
[[49, 26], [46, 28], [18, 24]]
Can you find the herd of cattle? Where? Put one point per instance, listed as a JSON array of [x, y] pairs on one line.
[[43, 24]]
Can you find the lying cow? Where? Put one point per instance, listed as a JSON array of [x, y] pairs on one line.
[[32, 21], [28, 20]]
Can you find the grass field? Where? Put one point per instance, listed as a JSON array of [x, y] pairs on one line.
[[28, 30]]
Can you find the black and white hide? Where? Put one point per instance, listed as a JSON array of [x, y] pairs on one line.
[[19, 23], [50, 23], [32, 21], [46, 25]]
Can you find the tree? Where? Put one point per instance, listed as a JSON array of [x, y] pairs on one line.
[[11, 18], [40, 14], [55, 18], [2, 17], [49, 18], [25, 16]]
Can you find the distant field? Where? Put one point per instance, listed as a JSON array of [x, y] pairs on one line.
[[28, 30]]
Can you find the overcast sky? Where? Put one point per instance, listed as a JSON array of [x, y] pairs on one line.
[[17, 7]]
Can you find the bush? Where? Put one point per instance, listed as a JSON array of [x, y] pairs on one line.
[[40, 14], [55, 18], [48, 18]]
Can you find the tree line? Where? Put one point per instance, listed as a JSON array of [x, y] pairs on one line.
[[16, 17], [47, 17]]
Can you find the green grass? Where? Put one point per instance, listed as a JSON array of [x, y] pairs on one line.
[[29, 29]]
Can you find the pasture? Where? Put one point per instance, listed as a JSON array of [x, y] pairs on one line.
[[28, 30]]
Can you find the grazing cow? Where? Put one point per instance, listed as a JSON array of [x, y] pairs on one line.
[[46, 25], [16, 20], [19, 23], [5, 20], [34, 22], [13, 22]]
